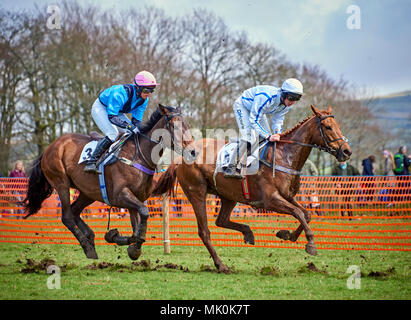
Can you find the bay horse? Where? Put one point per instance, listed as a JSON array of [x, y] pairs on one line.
[[127, 187], [265, 191]]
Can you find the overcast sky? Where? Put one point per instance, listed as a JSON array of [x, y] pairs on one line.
[[377, 55]]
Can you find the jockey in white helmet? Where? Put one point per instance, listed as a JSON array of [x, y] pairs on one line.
[[110, 109], [250, 110]]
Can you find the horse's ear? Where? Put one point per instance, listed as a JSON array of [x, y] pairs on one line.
[[162, 109], [315, 110], [330, 110]]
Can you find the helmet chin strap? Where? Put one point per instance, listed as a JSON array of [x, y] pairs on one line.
[[138, 90], [282, 98]]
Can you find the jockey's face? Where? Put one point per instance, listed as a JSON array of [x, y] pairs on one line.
[[146, 91], [145, 95], [289, 103]]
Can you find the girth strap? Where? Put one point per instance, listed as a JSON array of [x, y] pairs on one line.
[[102, 181], [287, 170], [137, 166]]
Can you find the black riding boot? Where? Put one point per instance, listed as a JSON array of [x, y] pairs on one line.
[[102, 146], [232, 171]]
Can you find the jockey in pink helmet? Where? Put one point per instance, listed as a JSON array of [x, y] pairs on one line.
[[110, 109]]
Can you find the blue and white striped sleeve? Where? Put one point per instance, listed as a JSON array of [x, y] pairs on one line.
[[257, 111], [278, 120]]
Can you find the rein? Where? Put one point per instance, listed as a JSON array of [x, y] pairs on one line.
[[327, 147], [160, 142]]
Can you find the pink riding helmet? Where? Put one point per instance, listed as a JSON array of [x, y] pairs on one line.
[[145, 79]]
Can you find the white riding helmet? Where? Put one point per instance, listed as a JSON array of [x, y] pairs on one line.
[[292, 85]]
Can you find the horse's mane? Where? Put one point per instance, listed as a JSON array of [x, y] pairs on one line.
[[299, 124], [151, 122]]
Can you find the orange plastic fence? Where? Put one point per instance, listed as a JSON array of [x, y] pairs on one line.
[[348, 213]]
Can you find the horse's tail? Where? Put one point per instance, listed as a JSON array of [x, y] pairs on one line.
[[166, 182], [39, 189]]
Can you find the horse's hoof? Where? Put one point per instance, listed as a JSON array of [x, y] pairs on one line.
[[110, 235], [249, 238], [91, 254], [310, 248], [283, 234], [223, 269], [133, 252]]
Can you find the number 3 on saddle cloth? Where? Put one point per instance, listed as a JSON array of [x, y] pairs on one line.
[[110, 157]]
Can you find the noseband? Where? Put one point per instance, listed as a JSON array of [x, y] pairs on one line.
[[327, 147]]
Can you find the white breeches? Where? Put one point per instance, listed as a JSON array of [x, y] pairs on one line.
[[100, 117]]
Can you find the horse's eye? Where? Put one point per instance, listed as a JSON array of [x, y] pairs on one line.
[[328, 127]]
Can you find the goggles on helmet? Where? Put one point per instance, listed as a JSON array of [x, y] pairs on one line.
[[147, 90]]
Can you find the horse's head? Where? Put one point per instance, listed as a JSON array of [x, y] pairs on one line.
[[179, 130], [329, 135]]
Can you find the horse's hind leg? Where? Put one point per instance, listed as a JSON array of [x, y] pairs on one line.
[[76, 208], [223, 220], [69, 220]]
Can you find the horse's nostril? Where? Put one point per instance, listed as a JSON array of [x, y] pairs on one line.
[[347, 152]]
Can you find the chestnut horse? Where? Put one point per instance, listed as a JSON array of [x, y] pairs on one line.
[[127, 187], [266, 192]]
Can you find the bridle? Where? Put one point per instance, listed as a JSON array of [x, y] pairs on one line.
[[327, 147], [167, 119]]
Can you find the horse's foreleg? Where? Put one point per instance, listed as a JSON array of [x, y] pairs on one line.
[[139, 235], [113, 235], [279, 204], [223, 220], [293, 236], [129, 200]]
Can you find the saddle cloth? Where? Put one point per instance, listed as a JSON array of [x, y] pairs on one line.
[[253, 160], [229, 151], [109, 157]]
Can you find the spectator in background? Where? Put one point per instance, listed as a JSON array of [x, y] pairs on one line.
[[345, 190], [387, 190], [368, 170], [18, 171], [402, 162], [402, 168], [344, 169], [388, 163], [309, 169]]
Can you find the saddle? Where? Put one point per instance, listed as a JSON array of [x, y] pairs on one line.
[[254, 154], [258, 154], [108, 157], [112, 155]]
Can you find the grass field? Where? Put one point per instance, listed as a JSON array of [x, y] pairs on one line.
[[188, 273]]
